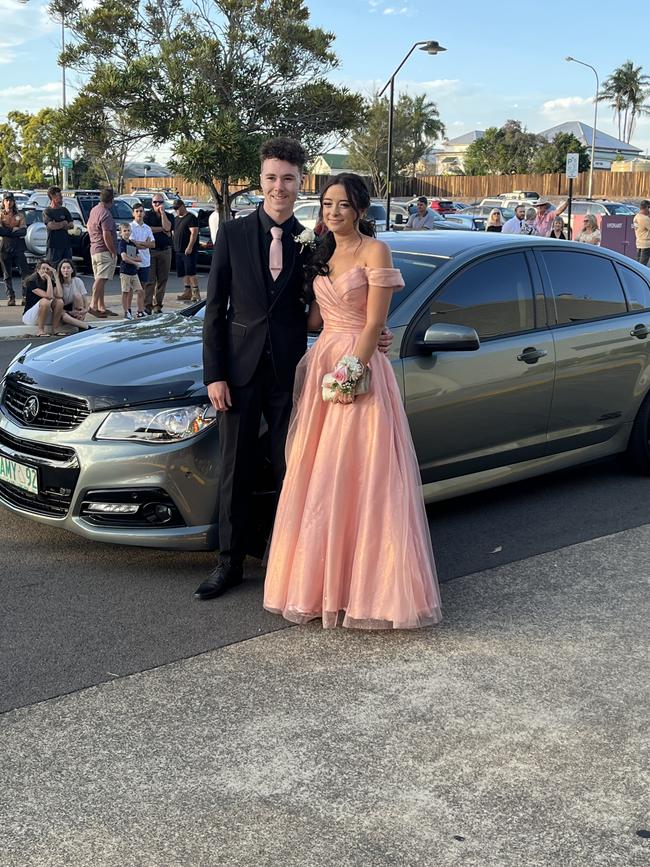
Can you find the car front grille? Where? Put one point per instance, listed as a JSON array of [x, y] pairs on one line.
[[47, 451], [58, 472], [55, 411]]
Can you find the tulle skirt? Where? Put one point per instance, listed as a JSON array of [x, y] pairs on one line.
[[351, 542]]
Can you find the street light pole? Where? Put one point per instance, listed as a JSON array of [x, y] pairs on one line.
[[431, 47], [65, 150], [593, 135]]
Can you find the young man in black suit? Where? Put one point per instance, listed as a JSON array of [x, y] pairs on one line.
[[254, 334]]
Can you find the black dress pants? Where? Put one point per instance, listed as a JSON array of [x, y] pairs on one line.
[[11, 255], [239, 448]]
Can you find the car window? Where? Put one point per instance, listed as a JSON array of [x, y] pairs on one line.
[[494, 296], [376, 212], [306, 212], [579, 208], [122, 211], [620, 209], [597, 209], [636, 288], [32, 216], [585, 286], [75, 215], [415, 270]]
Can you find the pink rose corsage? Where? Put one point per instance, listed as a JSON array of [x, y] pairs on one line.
[[344, 379]]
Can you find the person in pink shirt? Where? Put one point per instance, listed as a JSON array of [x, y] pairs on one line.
[[545, 216]]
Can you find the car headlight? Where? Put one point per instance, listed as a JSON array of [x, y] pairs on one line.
[[169, 425]]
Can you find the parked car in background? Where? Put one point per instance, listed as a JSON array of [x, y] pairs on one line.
[[245, 203], [599, 208], [520, 195], [460, 206], [485, 211], [466, 221], [41, 200], [439, 206], [132, 201], [543, 342], [36, 237]]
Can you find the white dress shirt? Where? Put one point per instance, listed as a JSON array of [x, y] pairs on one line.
[[512, 226]]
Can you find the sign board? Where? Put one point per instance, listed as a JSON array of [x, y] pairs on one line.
[[572, 161], [65, 163]]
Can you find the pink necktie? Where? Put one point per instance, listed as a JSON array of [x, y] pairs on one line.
[[275, 255]]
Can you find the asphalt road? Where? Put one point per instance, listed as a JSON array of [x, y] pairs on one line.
[[76, 613]]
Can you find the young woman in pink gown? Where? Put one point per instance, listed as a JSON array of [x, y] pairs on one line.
[[351, 541]]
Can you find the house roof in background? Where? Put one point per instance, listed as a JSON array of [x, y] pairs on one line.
[[583, 132], [466, 138], [155, 170], [335, 161]]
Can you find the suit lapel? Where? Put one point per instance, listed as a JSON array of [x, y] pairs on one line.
[[252, 227]]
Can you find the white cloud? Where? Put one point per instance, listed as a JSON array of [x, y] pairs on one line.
[[29, 97], [458, 123], [30, 90], [564, 104], [391, 10]]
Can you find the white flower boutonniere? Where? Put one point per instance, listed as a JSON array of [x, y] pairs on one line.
[[306, 238]]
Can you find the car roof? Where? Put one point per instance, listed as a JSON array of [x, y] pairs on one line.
[[452, 244]]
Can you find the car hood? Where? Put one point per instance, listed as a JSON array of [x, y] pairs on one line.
[[129, 363]]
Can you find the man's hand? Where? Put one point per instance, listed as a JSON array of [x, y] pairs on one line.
[[385, 340], [219, 395]]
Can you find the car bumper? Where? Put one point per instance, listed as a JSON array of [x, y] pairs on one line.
[[76, 472]]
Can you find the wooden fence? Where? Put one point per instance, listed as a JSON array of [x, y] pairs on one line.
[[611, 185]]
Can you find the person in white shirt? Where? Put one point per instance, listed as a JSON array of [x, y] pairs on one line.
[[213, 223], [514, 224], [423, 217], [142, 238]]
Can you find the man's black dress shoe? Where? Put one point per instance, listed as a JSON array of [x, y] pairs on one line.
[[222, 578]]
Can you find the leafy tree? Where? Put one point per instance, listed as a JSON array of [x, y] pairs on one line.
[[213, 81], [11, 170], [504, 150], [39, 138], [368, 143], [416, 125], [551, 157], [627, 90]]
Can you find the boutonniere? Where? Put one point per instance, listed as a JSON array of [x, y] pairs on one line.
[[306, 239]]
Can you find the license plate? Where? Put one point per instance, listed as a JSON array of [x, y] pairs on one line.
[[18, 475]]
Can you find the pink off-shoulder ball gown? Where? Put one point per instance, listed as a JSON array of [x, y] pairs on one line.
[[351, 541]]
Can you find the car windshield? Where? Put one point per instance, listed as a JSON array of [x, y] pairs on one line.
[[619, 209]]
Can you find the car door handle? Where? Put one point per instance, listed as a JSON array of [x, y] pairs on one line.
[[531, 355], [641, 331]]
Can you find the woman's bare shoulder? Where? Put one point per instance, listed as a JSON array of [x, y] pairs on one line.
[[377, 254]]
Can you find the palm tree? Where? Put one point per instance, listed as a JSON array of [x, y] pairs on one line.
[[417, 126], [637, 90], [627, 89], [613, 92]]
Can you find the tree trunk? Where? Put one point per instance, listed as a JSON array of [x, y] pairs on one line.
[[224, 208]]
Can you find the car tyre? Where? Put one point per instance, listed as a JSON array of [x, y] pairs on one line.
[[638, 447]]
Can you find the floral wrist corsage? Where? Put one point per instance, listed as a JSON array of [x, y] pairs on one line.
[[345, 378]]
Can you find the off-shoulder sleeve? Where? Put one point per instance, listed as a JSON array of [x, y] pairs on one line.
[[389, 278]]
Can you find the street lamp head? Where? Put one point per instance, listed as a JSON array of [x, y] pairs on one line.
[[569, 58], [432, 47]]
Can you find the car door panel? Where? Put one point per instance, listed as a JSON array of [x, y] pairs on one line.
[[472, 411], [600, 361]]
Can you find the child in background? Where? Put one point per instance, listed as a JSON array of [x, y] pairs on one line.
[[129, 262]]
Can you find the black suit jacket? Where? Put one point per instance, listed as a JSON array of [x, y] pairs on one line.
[[242, 318]]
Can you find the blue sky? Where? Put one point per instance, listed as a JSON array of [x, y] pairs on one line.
[[504, 59]]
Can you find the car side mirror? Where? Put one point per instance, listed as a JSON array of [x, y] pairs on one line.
[[443, 337], [399, 219]]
